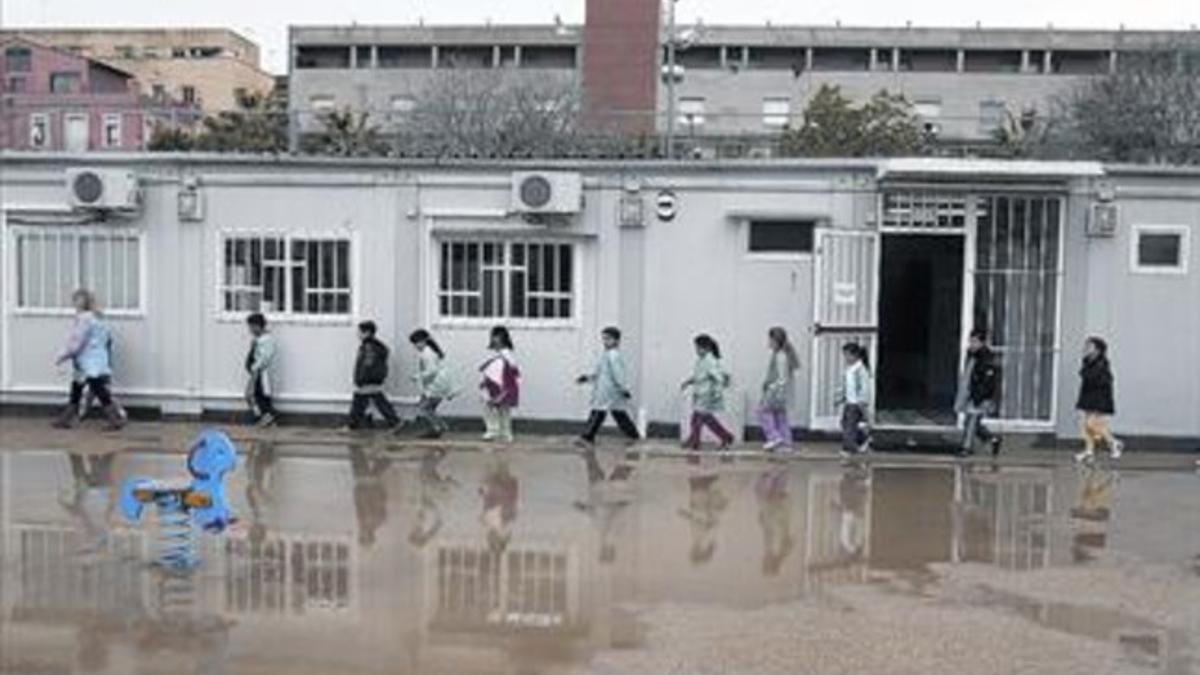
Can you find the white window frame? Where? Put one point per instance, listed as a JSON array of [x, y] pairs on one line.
[[1185, 244], [113, 119], [773, 119], [44, 118], [16, 231], [449, 321], [288, 316]]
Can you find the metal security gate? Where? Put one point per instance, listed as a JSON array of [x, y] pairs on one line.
[[1016, 271], [846, 281]]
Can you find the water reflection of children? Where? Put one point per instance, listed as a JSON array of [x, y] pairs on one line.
[[1090, 517], [775, 517], [370, 495], [92, 477], [706, 503], [434, 489], [606, 501], [499, 491], [852, 505], [260, 469]]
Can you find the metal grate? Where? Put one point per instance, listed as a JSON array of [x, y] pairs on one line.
[[910, 211], [286, 275], [511, 280], [1017, 269]]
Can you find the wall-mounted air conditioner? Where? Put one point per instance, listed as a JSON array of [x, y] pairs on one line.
[[547, 192], [103, 190]]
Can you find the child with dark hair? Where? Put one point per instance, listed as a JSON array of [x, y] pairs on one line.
[[500, 386], [610, 390], [370, 373], [434, 380], [978, 394], [708, 382], [1096, 400], [855, 399], [777, 391], [259, 362]]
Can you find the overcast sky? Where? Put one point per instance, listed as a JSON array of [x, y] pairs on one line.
[[266, 20]]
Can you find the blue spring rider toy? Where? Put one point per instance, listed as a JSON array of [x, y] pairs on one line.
[[184, 506]]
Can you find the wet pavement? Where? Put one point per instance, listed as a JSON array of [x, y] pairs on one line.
[[352, 555]]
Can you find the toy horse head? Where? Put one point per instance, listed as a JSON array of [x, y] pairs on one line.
[[211, 456]]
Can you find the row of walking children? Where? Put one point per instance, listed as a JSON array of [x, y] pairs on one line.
[[90, 344], [500, 386]]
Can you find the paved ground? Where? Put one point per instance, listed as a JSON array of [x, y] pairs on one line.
[[363, 554]]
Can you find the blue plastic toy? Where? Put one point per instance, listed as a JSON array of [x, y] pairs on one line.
[[184, 506]]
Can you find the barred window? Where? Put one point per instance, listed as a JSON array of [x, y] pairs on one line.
[[284, 275], [52, 262], [506, 280]]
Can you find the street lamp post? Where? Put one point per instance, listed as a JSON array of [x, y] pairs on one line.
[[670, 140]]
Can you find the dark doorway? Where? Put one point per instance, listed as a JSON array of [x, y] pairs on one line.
[[920, 317]]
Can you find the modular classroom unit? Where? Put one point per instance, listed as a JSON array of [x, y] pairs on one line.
[[904, 255]]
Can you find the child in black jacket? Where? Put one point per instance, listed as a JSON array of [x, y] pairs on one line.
[[1096, 400], [370, 372]]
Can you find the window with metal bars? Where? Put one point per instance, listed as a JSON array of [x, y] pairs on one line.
[[506, 280], [285, 275], [52, 262]]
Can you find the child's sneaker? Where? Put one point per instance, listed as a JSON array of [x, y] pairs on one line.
[[1117, 448], [1086, 456], [770, 446], [267, 420]]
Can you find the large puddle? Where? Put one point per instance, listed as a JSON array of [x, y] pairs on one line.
[[515, 562]]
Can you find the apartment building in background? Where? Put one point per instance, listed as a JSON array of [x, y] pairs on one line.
[[51, 99], [204, 67], [743, 82]]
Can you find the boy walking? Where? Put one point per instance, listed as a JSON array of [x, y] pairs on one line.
[[978, 394], [370, 372], [610, 390], [259, 362]]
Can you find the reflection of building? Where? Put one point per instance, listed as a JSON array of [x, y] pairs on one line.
[[289, 575], [54, 579], [525, 588], [1007, 519]]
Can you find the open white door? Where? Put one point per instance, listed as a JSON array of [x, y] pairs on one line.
[[845, 310]]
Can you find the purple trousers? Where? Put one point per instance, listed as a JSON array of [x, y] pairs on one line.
[[775, 426], [703, 419]]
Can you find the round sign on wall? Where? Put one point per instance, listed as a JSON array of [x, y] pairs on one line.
[[666, 205]]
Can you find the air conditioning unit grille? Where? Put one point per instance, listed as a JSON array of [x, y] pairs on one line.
[[536, 191], [88, 188]]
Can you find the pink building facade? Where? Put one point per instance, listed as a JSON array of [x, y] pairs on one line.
[[54, 100]]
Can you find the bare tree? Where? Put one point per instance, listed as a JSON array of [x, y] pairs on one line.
[[490, 113], [1146, 111], [345, 133]]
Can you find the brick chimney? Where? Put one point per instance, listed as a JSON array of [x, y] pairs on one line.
[[621, 64]]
